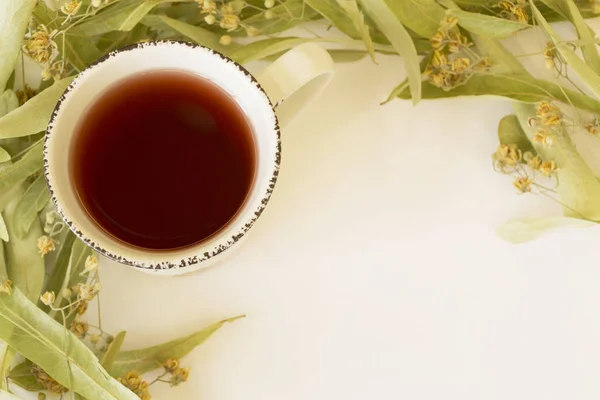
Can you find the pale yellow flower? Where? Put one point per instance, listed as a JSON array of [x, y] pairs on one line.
[[210, 19], [71, 8], [523, 184], [230, 22], [547, 168], [48, 298], [6, 286], [269, 3], [45, 245], [91, 264]]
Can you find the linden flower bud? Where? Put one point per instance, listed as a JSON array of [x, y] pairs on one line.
[[209, 7], [225, 40], [91, 264], [269, 14], [94, 339], [210, 19], [6, 286], [269, 3], [96, 3], [45, 245], [48, 298], [41, 396], [171, 365], [230, 22], [252, 31], [66, 293]]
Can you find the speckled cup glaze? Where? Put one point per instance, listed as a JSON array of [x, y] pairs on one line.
[[288, 84]]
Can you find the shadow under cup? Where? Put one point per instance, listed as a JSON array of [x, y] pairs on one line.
[[135, 180]]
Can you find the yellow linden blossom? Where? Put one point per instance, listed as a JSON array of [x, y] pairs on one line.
[[171, 365], [534, 162], [230, 22], [48, 298], [179, 376], [6, 286], [91, 264], [514, 11], [508, 154], [549, 55], [547, 168], [40, 45], [544, 138], [79, 328], [209, 7], [71, 8], [523, 184], [45, 245], [136, 384], [47, 381]]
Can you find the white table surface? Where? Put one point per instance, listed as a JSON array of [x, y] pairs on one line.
[[376, 273]]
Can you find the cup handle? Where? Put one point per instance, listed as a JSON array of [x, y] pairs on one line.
[[296, 78]]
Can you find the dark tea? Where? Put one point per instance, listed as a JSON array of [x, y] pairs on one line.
[[163, 160]]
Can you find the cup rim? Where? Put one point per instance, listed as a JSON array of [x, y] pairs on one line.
[[223, 243]]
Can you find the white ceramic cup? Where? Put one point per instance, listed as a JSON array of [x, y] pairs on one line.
[[286, 85]]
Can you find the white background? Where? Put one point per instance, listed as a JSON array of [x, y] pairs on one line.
[[376, 273]]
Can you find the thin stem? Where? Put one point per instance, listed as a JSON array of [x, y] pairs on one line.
[[158, 378]]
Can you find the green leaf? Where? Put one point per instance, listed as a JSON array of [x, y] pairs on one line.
[[510, 132], [587, 74], [347, 56], [578, 187], [24, 265], [195, 33], [402, 87], [22, 376], [502, 60], [80, 52], [420, 16], [400, 39], [8, 102], [7, 355], [486, 25], [289, 14], [113, 350], [334, 13], [33, 116], [585, 33], [14, 18], [34, 200], [71, 275], [3, 233], [4, 156], [521, 231], [265, 48], [31, 162], [121, 16], [516, 87], [350, 7], [148, 359], [61, 265], [48, 344]]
